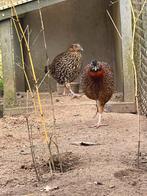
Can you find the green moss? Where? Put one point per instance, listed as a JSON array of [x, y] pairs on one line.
[[1, 64], [1, 85]]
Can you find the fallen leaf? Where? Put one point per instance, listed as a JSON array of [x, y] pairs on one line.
[[50, 188], [98, 183], [84, 144], [112, 186]]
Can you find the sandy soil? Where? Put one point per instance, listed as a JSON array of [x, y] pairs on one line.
[[106, 169]]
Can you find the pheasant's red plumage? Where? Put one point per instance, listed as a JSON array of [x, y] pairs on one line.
[[97, 83]]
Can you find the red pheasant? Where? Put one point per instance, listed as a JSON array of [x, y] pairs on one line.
[[97, 84]]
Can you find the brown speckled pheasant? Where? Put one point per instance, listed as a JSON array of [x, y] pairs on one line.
[[97, 84], [66, 67]]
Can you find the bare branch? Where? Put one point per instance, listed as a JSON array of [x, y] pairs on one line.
[[114, 24], [32, 151]]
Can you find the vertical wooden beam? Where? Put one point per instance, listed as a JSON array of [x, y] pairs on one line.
[[7, 46], [126, 32], [118, 68], [20, 80]]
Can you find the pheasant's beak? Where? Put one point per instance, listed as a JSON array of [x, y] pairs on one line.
[[81, 49], [95, 68]]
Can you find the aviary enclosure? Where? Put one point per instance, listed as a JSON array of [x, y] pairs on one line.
[[60, 154]]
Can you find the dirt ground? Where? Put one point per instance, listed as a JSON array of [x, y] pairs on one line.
[[108, 168]]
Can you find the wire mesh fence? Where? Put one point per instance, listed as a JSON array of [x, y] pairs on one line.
[[140, 54]]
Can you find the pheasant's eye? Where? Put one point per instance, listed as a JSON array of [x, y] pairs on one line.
[[73, 46]]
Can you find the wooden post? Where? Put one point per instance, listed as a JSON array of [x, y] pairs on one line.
[[126, 32], [7, 47]]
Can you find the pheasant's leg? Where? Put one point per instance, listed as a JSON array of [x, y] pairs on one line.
[[64, 91], [97, 109], [101, 109], [74, 95]]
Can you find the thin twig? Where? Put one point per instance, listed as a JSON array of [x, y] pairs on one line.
[[141, 10], [36, 38], [114, 24], [39, 85], [25, 31], [34, 75], [50, 90], [32, 151], [135, 20], [33, 72], [54, 125], [22, 61], [113, 2]]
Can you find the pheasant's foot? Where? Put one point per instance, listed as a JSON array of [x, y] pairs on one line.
[[74, 95], [64, 94], [65, 91], [98, 125]]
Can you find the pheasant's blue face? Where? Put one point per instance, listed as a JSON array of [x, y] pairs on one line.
[[96, 70], [95, 66]]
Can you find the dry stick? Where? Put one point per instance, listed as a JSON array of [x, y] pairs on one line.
[[58, 152], [50, 90], [31, 132], [32, 66], [136, 95], [28, 32], [45, 45], [114, 24], [36, 38], [51, 157], [23, 64], [32, 151], [54, 126], [32, 96], [135, 20], [43, 79], [31, 139], [113, 2], [26, 67], [35, 79], [43, 30], [25, 31]]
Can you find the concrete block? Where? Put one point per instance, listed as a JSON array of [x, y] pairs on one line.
[[121, 107]]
